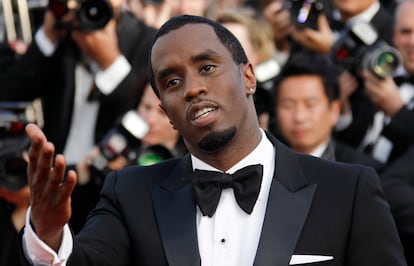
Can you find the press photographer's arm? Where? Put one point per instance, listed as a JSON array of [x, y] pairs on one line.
[[50, 188]]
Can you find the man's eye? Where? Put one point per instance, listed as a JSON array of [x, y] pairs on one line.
[[207, 68], [172, 83]]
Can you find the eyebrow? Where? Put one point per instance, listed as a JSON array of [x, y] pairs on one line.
[[207, 55], [204, 56]]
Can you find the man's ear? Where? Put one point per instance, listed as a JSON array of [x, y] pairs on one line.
[[249, 78]]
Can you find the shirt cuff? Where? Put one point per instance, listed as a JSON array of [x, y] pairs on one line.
[[39, 253], [107, 80], [45, 45]]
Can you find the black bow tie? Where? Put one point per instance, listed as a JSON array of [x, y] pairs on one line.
[[207, 186]]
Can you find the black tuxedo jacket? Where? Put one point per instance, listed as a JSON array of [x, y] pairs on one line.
[[53, 80], [347, 154], [400, 131], [398, 185], [147, 216]]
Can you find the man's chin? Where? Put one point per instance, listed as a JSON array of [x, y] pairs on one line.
[[217, 140]]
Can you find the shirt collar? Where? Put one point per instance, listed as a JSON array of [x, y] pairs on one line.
[[255, 157], [365, 15], [318, 151]]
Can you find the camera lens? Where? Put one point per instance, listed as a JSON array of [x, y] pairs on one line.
[[94, 14], [387, 62], [382, 60]]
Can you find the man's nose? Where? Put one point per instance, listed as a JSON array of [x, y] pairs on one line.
[[300, 113], [195, 88]]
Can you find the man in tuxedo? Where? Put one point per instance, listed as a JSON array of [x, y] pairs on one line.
[[307, 107], [239, 197], [87, 77], [358, 113]]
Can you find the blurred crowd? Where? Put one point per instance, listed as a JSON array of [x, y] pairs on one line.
[[335, 79]]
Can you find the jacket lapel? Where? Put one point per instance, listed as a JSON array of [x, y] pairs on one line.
[[175, 211], [289, 201]]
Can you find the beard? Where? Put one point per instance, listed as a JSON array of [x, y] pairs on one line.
[[217, 140]]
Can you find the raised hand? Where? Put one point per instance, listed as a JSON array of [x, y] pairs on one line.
[[50, 189]]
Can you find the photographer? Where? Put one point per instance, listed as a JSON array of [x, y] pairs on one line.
[[88, 64], [158, 141], [315, 25], [14, 190], [394, 98]]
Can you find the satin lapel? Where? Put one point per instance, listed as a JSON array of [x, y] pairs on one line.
[[290, 198], [175, 211]]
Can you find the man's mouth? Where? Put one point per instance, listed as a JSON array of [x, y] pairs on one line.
[[203, 112]]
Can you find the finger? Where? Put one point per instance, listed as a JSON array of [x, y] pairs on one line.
[[69, 184], [37, 139], [62, 195], [323, 24], [58, 173], [44, 164], [62, 186]]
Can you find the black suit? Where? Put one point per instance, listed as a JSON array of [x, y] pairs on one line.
[[398, 184], [400, 131], [52, 78], [341, 152], [9, 254], [147, 216]]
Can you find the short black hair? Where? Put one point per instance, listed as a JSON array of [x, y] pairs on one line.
[[225, 36], [309, 63]]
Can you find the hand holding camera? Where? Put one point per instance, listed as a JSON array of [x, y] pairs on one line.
[[85, 15], [303, 20], [100, 45], [383, 92], [319, 40], [280, 20], [305, 13], [91, 25]]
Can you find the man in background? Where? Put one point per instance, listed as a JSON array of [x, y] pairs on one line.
[[307, 107]]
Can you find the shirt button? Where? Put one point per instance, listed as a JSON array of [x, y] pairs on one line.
[[223, 241]]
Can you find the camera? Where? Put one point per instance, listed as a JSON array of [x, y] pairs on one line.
[[14, 116], [124, 139], [304, 13], [90, 15], [359, 48]]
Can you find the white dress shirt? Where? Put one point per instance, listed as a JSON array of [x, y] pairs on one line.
[[229, 238]]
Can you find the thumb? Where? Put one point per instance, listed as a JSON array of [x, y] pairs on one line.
[[323, 24]]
